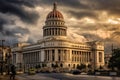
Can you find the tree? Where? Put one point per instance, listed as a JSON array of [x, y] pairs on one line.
[[100, 67], [37, 66], [114, 61], [89, 66], [82, 66], [44, 65], [55, 65]]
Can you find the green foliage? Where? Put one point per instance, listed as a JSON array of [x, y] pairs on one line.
[[55, 65], [114, 61], [37, 66], [89, 66], [44, 65], [101, 67], [82, 66]]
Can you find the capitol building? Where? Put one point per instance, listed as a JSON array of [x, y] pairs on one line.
[[56, 49]]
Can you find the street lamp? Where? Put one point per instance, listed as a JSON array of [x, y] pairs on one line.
[[2, 57], [8, 57]]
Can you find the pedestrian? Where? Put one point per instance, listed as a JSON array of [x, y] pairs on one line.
[[13, 72]]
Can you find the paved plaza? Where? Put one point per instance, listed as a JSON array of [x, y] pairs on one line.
[[63, 76], [58, 76]]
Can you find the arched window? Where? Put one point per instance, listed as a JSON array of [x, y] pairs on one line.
[[61, 65], [73, 65]]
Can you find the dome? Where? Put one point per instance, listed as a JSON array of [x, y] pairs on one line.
[[55, 14]]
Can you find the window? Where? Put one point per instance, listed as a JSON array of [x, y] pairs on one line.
[[100, 56], [53, 56]]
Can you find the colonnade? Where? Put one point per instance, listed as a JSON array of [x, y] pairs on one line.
[[57, 55], [81, 56], [55, 32], [31, 57]]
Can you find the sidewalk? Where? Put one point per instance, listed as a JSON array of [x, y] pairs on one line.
[[5, 77], [33, 77]]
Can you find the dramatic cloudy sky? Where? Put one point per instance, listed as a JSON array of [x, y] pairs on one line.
[[87, 20]]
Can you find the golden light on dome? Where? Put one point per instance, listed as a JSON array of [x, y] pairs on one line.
[[55, 14]]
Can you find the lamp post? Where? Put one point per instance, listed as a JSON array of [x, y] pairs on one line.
[[8, 59], [2, 61]]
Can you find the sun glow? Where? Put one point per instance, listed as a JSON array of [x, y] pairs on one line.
[[111, 21]]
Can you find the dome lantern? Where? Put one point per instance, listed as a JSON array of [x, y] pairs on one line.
[[54, 6]]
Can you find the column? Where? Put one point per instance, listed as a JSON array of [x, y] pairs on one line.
[[47, 55], [85, 57], [82, 56], [64, 31], [62, 55], [54, 31], [70, 54], [103, 58], [29, 58], [39, 56], [60, 32], [65, 55], [34, 57], [50, 55], [46, 32], [56, 54], [57, 31], [51, 31], [43, 32]]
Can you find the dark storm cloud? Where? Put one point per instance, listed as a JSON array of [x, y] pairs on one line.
[[112, 6], [75, 8], [13, 31], [82, 14], [89, 36], [1, 24], [67, 3], [91, 9], [16, 7]]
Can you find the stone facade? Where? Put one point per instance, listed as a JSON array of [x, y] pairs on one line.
[[56, 48]]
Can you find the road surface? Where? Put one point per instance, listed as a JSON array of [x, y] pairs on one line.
[[63, 76]]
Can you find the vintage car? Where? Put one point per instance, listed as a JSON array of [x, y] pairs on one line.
[[31, 71]]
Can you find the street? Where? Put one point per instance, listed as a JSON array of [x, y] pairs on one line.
[[62, 76]]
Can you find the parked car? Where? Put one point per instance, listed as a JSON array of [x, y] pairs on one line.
[[31, 71], [76, 71]]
